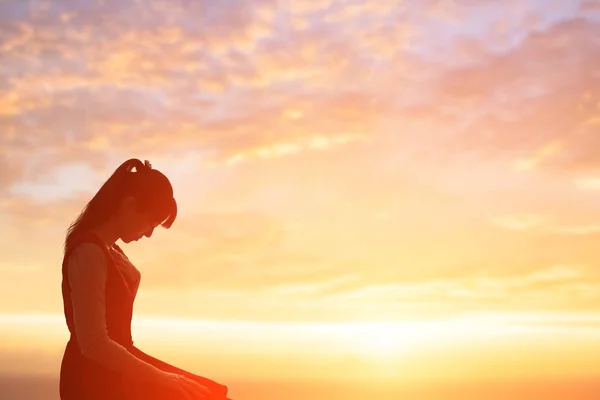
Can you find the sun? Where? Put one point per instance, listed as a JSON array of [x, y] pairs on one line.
[[384, 341]]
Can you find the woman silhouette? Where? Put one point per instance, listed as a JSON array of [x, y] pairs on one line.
[[99, 285]]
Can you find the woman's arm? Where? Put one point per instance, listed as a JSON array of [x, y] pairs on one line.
[[213, 386], [87, 279]]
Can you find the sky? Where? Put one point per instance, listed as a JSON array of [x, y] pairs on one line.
[[387, 176]]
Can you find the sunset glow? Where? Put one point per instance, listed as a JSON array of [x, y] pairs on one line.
[[397, 192]]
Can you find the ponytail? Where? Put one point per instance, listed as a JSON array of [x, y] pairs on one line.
[[121, 183]]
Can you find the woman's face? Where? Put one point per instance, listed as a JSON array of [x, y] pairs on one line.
[[135, 224]]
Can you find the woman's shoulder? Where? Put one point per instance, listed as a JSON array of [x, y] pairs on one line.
[[86, 251], [85, 242]]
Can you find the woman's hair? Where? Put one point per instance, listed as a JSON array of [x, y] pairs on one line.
[[151, 190]]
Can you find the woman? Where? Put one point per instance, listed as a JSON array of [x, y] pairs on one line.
[[99, 286]]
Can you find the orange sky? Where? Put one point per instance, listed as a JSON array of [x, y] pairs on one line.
[[335, 162]]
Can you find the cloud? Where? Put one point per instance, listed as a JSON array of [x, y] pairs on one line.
[[310, 141], [557, 286], [10, 174], [589, 6], [579, 230], [18, 269], [524, 107], [114, 85], [561, 288], [542, 224], [518, 223], [538, 157], [589, 183], [311, 288]]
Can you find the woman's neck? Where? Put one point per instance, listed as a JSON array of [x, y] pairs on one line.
[[107, 233]]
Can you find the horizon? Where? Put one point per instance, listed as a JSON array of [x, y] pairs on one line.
[[380, 191], [584, 389], [517, 348]]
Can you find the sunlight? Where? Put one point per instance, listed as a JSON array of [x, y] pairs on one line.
[[486, 345], [384, 340]]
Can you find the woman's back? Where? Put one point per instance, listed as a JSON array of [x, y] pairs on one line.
[[82, 376]]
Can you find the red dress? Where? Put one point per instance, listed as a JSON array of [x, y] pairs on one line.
[[84, 379]]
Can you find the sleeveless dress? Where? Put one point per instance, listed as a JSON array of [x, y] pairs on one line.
[[84, 379]]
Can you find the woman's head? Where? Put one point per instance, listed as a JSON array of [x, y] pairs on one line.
[[134, 200]]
